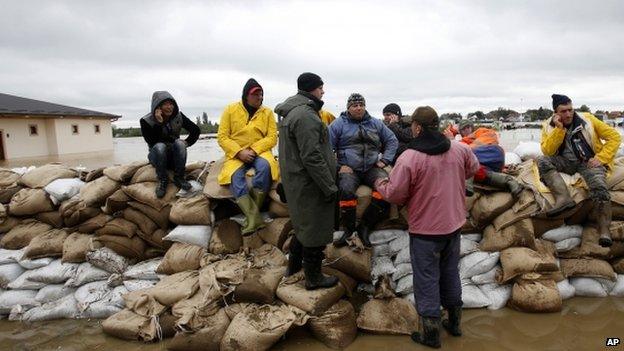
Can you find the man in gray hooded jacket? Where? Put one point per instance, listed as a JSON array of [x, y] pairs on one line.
[[161, 130]]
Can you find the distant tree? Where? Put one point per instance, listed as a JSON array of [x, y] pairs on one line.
[[205, 118], [583, 108], [452, 115], [538, 114], [477, 114], [197, 121]]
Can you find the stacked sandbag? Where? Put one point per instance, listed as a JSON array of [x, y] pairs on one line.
[[9, 184]]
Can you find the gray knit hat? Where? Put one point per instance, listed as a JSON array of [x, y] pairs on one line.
[[355, 98]]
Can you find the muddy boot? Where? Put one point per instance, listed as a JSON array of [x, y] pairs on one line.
[[253, 221], [258, 196], [347, 219], [375, 213], [469, 187], [161, 190], [603, 217], [452, 324], [314, 278], [504, 181], [295, 257], [563, 200], [181, 183], [428, 332]]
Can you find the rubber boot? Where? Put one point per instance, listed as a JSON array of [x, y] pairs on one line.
[[314, 278], [563, 200], [347, 219], [181, 183], [375, 213], [253, 221], [258, 196], [428, 332], [295, 257], [504, 181], [603, 217], [452, 324], [161, 190]]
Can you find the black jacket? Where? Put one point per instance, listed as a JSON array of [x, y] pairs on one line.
[[155, 132]]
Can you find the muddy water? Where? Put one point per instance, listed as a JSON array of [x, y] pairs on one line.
[[584, 324]]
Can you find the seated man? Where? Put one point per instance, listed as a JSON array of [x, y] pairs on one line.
[[393, 118], [484, 144], [578, 142], [358, 139], [247, 133], [161, 130]]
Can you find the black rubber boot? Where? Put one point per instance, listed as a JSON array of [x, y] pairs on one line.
[[563, 200], [428, 332], [161, 190], [347, 219], [603, 217], [375, 213], [181, 183], [295, 257], [453, 323], [505, 182], [314, 278]]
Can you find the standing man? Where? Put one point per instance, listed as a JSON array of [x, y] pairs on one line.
[[308, 173], [247, 133], [161, 130], [358, 140], [393, 118], [578, 142], [430, 178]]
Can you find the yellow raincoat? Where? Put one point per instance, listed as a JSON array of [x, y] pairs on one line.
[[236, 133], [327, 117]]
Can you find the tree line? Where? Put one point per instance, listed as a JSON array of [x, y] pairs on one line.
[[206, 126]]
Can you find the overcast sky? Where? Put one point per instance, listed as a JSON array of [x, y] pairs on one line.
[[457, 56]]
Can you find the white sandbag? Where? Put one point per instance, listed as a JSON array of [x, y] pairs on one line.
[[17, 312], [467, 247], [618, 289], [402, 241], [403, 256], [380, 266], [36, 263], [528, 150], [405, 285], [497, 294], [145, 270], [473, 236], [54, 273], [9, 272], [196, 189], [567, 244], [563, 233], [410, 298], [488, 277], [473, 297], [107, 260], [63, 189], [511, 158], [566, 290], [240, 219], [385, 236], [53, 292], [23, 283], [87, 273], [477, 263], [107, 305], [91, 292], [136, 284], [591, 287], [11, 298], [191, 234], [64, 308], [11, 256], [402, 270], [381, 250]]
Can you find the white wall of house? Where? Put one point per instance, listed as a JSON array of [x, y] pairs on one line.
[[86, 140], [17, 139]]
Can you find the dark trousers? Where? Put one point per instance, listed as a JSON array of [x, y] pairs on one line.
[[349, 182], [168, 156], [435, 262], [595, 178], [261, 180]]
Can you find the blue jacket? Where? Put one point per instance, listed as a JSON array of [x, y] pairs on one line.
[[358, 143]]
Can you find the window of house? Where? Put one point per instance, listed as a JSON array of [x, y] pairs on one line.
[[97, 128], [74, 129], [33, 129]]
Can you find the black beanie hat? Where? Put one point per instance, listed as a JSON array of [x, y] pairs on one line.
[[308, 81], [393, 108], [355, 98], [559, 100]]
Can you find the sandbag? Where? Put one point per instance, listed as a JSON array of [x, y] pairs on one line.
[[618, 289], [567, 244], [292, 291], [23, 283], [75, 211], [252, 241], [402, 270], [382, 266], [128, 247], [63, 189], [191, 234], [28, 202], [145, 270], [336, 327], [8, 273], [95, 223], [8, 224], [517, 234], [543, 225], [95, 193], [52, 218], [155, 239], [128, 325], [498, 295], [8, 178], [268, 255], [528, 150], [563, 233], [467, 246], [488, 277], [477, 263], [86, 273], [590, 268], [36, 263], [207, 338], [489, 206], [145, 193], [123, 173], [535, 296], [63, 308], [278, 209], [618, 266], [348, 260], [11, 298], [119, 227], [7, 194], [135, 284], [106, 306], [41, 176], [143, 223], [10, 256], [191, 211], [48, 244], [147, 173], [405, 285], [276, 232], [226, 238], [118, 201], [384, 236], [591, 287], [181, 257], [195, 313], [21, 235], [259, 285], [473, 297], [566, 290], [403, 256], [108, 260], [160, 217], [54, 273], [53, 292], [75, 247], [173, 288], [519, 260], [393, 316]]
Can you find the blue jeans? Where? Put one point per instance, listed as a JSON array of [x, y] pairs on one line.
[[261, 179], [164, 156]]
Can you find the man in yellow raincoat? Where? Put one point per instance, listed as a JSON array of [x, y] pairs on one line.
[[247, 133]]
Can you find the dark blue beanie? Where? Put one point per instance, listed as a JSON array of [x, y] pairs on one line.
[[559, 100]]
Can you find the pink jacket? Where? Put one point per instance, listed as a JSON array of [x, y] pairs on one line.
[[433, 186]]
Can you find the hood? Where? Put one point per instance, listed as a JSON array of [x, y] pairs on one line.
[[251, 83], [302, 98], [158, 97], [345, 115]]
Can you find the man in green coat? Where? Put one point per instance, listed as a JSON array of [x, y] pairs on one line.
[[308, 171]]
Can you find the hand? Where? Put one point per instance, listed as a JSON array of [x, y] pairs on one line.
[[594, 162], [393, 119], [447, 133], [380, 164], [158, 114], [557, 121], [253, 153], [245, 155], [345, 169]]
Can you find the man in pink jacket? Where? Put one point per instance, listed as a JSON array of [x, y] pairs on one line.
[[430, 178]]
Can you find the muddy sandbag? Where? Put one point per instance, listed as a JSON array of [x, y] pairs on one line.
[[349, 283], [8, 178], [176, 287], [145, 270], [207, 338], [52, 218], [195, 313], [541, 225], [95, 223], [517, 234], [351, 260], [123, 173], [618, 266], [128, 247], [181, 257], [28, 202], [44, 175], [519, 260], [259, 285], [489, 206], [86, 273], [156, 240], [48, 244], [394, 316], [252, 241], [8, 193], [63, 308], [586, 267], [268, 255], [8, 224], [278, 209], [191, 211], [21, 235], [160, 217], [76, 247], [226, 238], [118, 201], [108, 260], [145, 193], [147, 173], [95, 193], [276, 232], [292, 291], [128, 325], [540, 296], [257, 328], [76, 211], [337, 327], [118, 226], [143, 222]]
